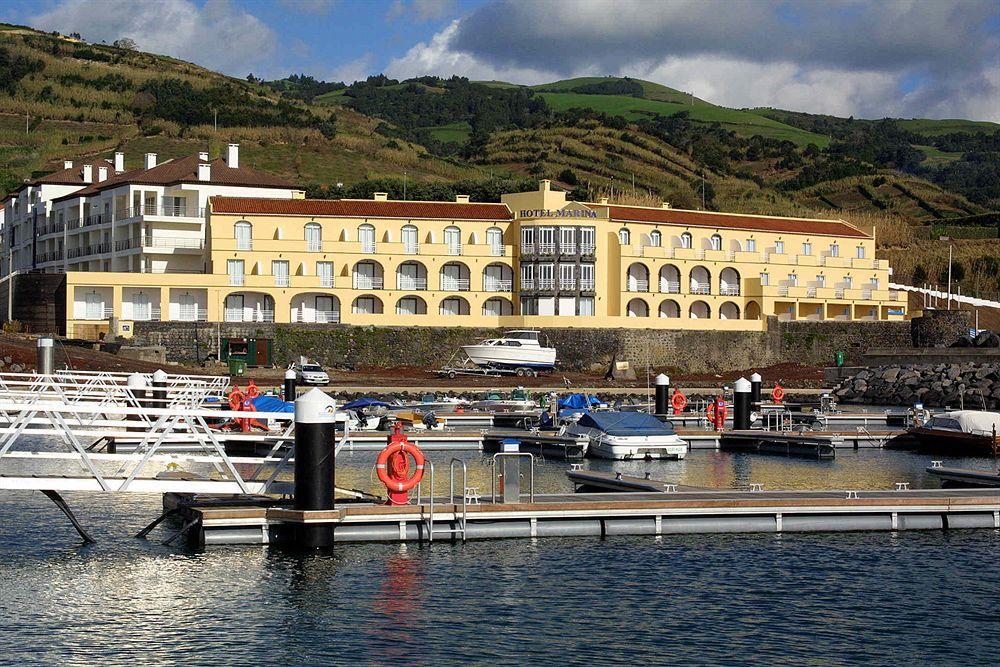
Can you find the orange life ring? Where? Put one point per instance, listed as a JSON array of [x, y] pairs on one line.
[[253, 391], [777, 393], [710, 412], [679, 401], [236, 399], [397, 449]]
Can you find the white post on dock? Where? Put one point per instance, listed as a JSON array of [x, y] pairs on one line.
[[741, 404], [136, 384], [160, 389], [755, 383], [315, 464], [290, 393], [46, 356], [662, 396]]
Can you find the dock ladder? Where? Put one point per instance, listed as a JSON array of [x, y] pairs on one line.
[[468, 494]]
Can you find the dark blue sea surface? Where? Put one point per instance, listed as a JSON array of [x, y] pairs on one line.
[[830, 599]]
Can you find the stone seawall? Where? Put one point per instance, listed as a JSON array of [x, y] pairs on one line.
[[579, 349], [976, 386]]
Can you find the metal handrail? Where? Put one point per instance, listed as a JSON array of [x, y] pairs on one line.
[[531, 473]]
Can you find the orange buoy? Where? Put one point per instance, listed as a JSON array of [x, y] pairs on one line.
[[393, 466], [778, 393], [678, 401]]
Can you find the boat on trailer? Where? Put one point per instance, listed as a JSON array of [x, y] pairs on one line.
[[629, 435], [516, 350]]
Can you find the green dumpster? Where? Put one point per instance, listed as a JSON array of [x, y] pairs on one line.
[[237, 367], [838, 358]]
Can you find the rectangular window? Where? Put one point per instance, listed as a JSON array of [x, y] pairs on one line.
[[494, 239], [314, 238], [779, 247], [325, 272], [586, 304], [587, 236], [546, 276], [546, 240], [807, 248], [567, 276], [527, 240], [861, 252], [567, 240], [751, 245], [793, 279], [527, 276], [366, 236], [821, 280], [411, 245], [765, 280], [244, 232], [529, 305], [234, 267], [175, 206], [849, 282], [587, 277], [453, 239], [279, 269], [834, 250]]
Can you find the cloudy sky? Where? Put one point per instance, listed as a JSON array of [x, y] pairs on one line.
[[906, 58]]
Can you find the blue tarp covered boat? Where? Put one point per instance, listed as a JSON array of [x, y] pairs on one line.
[[266, 403], [363, 403]]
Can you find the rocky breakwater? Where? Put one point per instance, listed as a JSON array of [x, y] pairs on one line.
[[934, 385]]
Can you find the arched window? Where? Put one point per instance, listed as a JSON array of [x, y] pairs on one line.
[[494, 239], [367, 305], [454, 306], [686, 240], [655, 238], [453, 239], [366, 237], [411, 240], [716, 242], [411, 305], [624, 237], [314, 237], [243, 231]]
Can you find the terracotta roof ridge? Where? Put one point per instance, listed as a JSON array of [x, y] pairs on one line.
[[699, 211]]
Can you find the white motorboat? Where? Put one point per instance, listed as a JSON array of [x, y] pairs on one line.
[[516, 349], [629, 435]]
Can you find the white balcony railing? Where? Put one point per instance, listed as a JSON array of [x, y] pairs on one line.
[[670, 286], [236, 280], [367, 282], [546, 283], [454, 248], [527, 248], [326, 281], [497, 250], [411, 248], [811, 292], [314, 246], [638, 285], [97, 313], [527, 283], [586, 248], [188, 313], [454, 284], [497, 285], [838, 294], [729, 290], [319, 317], [172, 242], [866, 294], [701, 288], [281, 281], [783, 290], [368, 247], [408, 283], [244, 244], [248, 315], [546, 248], [567, 249], [143, 314], [587, 284], [567, 283]]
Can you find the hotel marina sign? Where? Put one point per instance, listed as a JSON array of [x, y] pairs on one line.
[[557, 213]]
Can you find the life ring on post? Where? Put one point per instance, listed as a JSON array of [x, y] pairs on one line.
[[392, 466], [678, 401], [710, 412], [778, 393]]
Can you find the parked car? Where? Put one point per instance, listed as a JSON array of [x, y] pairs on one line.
[[310, 374]]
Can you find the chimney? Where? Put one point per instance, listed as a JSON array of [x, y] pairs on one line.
[[544, 185], [119, 162], [603, 201], [462, 199], [102, 174], [381, 196], [203, 156], [88, 173], [150, 160], [67, 164], [233, 156], [204, 172], [666, 204]]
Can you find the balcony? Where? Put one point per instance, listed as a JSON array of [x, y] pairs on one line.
[[161, 211], [497, 285], [497, 250], [527, 248], [454, 284], [454, 249], [411, 248], [811, 292], [248, 315], [637, 286], [97, 313], [367, 282], [701, 288], [546, 283], [587, 284], [319, 317], [567, 283], [94, 220], [326, 281], [282, 281], [587, 248], [527, 283], [670, 286], [188, 313], [168, 243], [92, 249], [314, 246], [368, 247], [546, 248], [411, 284], [567, 248], [54, 256], [54, 228], [140, 314], [237, 280], [729, 290]]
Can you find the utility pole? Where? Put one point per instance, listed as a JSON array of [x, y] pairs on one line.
[[950, 246], [215, 113], [703, 189], [404, 186]]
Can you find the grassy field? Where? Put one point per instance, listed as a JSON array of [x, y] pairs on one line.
[[633, 108], [931, 127], [454, 132]]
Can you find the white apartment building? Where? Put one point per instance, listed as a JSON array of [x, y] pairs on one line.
[[98, 216]]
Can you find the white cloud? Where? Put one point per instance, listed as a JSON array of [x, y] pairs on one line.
[[217, 35], [355, 70], [423, 10]]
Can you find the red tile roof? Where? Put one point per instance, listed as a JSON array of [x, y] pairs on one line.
[[732, 221], [185, 170], [71, 176], [361, 208]]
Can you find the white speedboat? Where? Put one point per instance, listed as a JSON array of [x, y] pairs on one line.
[[629, 435], [516, 349]]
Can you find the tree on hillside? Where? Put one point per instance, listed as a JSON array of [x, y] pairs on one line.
[[126, 43], [919, 275], [957, 272]]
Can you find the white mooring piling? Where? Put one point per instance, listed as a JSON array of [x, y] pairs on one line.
[[46, 356]]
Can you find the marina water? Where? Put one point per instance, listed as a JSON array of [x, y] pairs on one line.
[[880, 598]]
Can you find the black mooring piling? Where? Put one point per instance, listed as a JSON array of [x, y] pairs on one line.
[[314, 465], [755, 382], [290, 385], [662, 396], [742, 391]]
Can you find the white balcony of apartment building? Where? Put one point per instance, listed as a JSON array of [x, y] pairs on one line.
[[236, 280], [587, 248], [318, 316], [172, 243], [670, 286], [811, 292], [496, 285], [145, 314], [587, 284], [454, 249], [701, 288], [282, 281], [367, 282], [527, 248], [409, 283], [161, 210], [97, 312], [729, 290], [567, 283], [326, 281], [546, 283], [527, 283], [368, 247], [411, 248], [191, 313], [497, 250], [546, 248], [449, 284], [248, 315], [636, 285]]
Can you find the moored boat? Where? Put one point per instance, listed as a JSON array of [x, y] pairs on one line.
[[629, 435], [957, 433]]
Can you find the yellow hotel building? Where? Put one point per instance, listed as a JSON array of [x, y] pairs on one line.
[[534, 260]]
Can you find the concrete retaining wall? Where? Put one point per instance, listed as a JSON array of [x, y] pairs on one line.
[[579, 349]]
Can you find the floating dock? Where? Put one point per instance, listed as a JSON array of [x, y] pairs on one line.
[[784, 443], [966, 477], [600, 515], [550, 445]]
